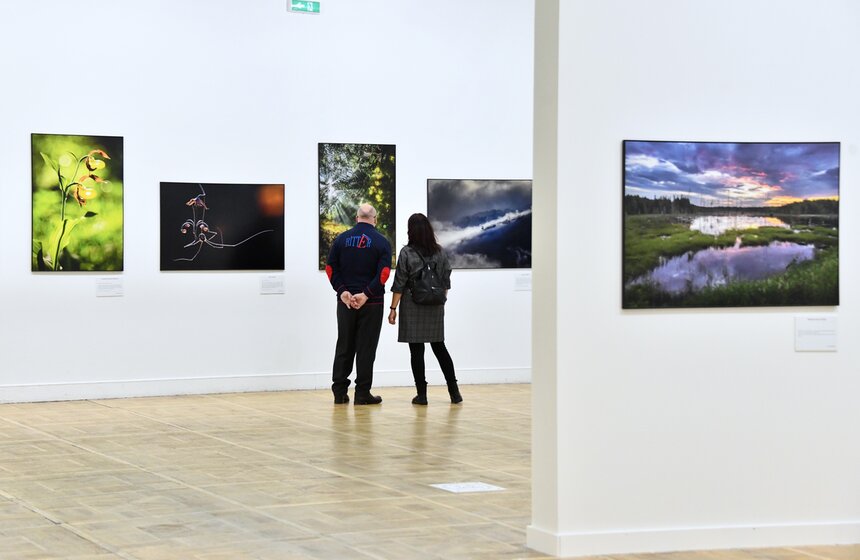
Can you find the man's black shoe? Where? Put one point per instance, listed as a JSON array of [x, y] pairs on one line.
[[341, 399], [367, 398]]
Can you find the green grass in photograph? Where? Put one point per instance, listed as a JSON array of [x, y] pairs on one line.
[[650, 239], [814, 282]]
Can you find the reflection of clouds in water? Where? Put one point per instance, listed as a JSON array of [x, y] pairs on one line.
[[473, 260], [717, 225], [718, 267], [450, 235]]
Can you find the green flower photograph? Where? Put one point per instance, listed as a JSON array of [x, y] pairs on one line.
[[77, 203]]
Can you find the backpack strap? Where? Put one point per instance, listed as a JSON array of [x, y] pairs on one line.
[[411, 282]]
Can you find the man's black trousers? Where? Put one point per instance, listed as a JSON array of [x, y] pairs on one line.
[[357, 338]]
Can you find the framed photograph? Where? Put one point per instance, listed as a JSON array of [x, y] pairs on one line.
[[77, 213], [349, 176], [482, 223], [730, 224], [216, 226]]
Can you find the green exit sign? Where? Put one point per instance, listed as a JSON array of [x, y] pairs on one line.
[[304, 6]]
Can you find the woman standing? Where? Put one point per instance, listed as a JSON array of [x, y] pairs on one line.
[[422, 323]]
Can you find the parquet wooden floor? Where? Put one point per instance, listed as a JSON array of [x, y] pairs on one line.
[[280, 476]]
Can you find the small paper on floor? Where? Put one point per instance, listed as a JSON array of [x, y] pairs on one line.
[[463, 487]]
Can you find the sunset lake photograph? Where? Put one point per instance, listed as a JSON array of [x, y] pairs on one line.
[[720, 224]]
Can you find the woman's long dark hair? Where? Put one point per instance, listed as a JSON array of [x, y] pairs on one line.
[[421, 235]]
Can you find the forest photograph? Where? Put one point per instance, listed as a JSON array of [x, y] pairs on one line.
[[719, 224], [351, 175]]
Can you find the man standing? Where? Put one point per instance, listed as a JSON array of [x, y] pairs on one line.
[[358, 266]]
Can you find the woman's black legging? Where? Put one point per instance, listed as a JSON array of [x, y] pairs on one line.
[[416, 352]]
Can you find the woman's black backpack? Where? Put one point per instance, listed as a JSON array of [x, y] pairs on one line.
[[427, 287]]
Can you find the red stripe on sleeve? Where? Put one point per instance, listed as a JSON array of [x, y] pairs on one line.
[[383, 276], [328, 271]]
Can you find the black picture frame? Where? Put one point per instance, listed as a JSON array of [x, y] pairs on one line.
[[504, 240], [221, 226], [369, 176], [94, 200], [771, 246]]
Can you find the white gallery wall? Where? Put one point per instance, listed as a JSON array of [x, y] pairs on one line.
[[242, 91], [686, 429]]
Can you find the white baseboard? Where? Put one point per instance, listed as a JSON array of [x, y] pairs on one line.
[[707, 538], [110, 389]]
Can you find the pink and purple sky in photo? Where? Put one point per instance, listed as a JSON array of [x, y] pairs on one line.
[[732, 174]]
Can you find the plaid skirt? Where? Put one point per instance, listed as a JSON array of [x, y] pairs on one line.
[[420, 323]]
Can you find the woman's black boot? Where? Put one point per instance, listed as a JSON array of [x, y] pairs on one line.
[[454, 393], [421, 397]]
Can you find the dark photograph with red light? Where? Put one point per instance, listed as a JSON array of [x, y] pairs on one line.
[[217, 226]]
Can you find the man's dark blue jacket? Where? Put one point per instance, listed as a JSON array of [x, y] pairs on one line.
[[360, 262]]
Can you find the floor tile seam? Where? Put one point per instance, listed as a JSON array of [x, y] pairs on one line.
[[402, 447], [60, 439], [358, 478], [20, 425], [354, 476], [807, 553], [299, 461], [297, 421], [427, 501], [344, 475], [215, 438], [343, 536], [89, 538], [62, 525], [317, 467], [512, 527], [474, 466], [330, 502], [29, 507], [477, 432], [384, 531], [266, 412], [174, 480], [459, 509]]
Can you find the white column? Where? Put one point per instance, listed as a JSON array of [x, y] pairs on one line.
[[659, 430], [543, 531]]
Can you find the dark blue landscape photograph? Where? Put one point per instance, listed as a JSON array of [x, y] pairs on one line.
[[482, 223], [723, 224]]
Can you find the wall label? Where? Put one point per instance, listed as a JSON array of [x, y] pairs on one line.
[[272, 284], [815, 333], [110, 286], [523, 282]]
